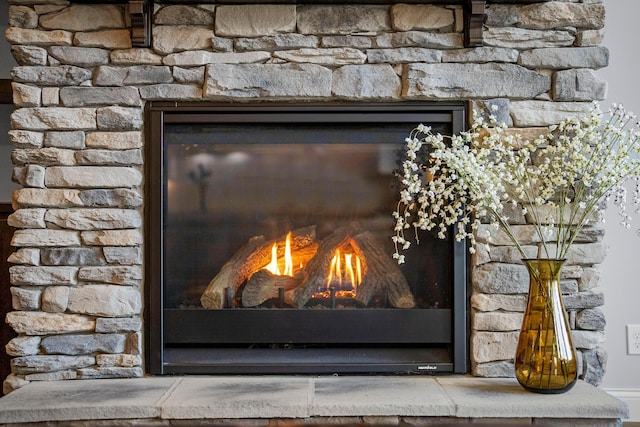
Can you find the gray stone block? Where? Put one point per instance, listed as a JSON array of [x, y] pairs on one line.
[[49, 363], [343, 19], [183, 15], [64, 75], [580, 300], [135, 56], [35, 197], [189, 75], [26, 95], [560, 14], [44, 238], [26, 275], [123, 255], [23, 346], [133, 75], [26, 36], [420, 39], [422, 17], [55, 299], [591, 319], [501, 369], [403, 55], [563, 58], [499, 278], [23, 17], [256, 20], [107, 39], [119, 324], [29, 55], [119, 275], [114, 140], [481, 55], [92, 176], [47, 156], [54, 118], [324, 56], [109, 157], [97, 96], [267, 81], [94, 219], [29, 176], [366, 82], [83, 344], [167, 91], [72, 139], [115, 198], [112, 238], [119, 118], [27, 218], [521, 38], [453, 81], [86, 57], [83, 17], [26, 139], [105, 300], [110, 372], [277, 42], [40, 323], [25, 299], [169, 39], [578, 85]]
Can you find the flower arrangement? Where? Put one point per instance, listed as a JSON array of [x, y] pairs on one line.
[[561, 181]]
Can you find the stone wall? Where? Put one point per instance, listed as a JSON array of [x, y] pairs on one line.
[[79, 133]]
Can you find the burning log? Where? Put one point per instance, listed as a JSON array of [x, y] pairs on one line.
[[317, 270], [250, 258], [381, 274], [264, 285]]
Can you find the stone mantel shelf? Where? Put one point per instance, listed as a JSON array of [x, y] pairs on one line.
[[304, 399], [448, 2], [140, 13]]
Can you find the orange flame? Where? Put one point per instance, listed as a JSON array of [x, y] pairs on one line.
[[288, 260], [273, 266], [348, 277]]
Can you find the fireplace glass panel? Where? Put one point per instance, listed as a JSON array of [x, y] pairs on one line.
[[275, 244], [222, 192]]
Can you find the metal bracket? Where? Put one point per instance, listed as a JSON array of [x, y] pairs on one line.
[[474, 16], [140, 12]]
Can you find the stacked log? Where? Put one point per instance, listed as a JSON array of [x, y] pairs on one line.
[[246, 271], [250, 258]]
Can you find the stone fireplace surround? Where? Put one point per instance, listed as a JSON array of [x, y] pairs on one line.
[[79, 137]]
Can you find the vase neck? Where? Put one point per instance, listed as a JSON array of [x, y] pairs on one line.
[[544, 267]]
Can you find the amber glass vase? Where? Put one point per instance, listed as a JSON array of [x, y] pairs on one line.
[[545, 359]]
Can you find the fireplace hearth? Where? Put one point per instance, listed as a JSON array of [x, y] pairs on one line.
[[270, 243]]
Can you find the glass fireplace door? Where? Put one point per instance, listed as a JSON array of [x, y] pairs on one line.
[[272, 244]]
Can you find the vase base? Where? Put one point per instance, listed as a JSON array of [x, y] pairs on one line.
[[550, 390]]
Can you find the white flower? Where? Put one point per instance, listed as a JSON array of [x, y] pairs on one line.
[[560, 180]]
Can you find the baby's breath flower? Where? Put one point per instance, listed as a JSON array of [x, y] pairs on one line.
[[560, 181]]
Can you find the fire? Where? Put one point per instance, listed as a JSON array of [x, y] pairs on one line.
[[273, 267], [288, 260], [345, 274]]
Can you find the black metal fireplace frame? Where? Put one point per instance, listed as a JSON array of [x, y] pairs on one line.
[[178, 340]]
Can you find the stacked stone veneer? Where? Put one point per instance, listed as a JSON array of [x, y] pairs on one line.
[[78, 131]]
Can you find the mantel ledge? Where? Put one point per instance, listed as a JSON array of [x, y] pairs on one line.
[[304, 399]]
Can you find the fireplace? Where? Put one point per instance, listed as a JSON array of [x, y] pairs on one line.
[[270, 248], [81, 287]]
